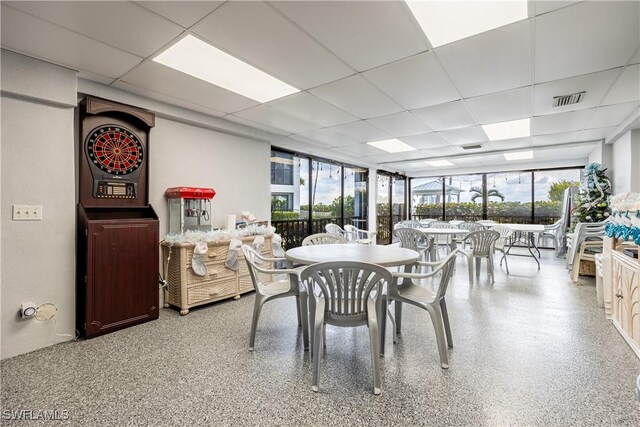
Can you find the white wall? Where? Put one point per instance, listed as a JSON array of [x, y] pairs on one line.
[[37, 168], [185, 155], [625, 163]]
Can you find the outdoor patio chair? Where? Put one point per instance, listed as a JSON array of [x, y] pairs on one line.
[[271, 284], [420, 296], [346, 294], [482, 246], [323, 239]]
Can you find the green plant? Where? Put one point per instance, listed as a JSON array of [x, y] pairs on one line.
[[556, 189]]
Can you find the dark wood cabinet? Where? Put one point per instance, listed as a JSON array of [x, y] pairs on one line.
[[117, 268]]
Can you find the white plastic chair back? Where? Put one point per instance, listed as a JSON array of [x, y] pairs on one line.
[[323, 239]]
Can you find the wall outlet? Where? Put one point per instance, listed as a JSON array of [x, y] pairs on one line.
[[27, 212], [27, 310]]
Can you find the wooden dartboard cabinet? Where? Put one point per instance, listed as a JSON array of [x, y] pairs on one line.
[[118, 231]]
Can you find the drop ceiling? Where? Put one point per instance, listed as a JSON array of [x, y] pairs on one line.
[[366, 72]]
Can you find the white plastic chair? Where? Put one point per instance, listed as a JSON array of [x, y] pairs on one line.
[[432, 302], [323, 239], [360, 236], [346, 294], [551, 232], [414, 239], [501, 244], [271, 284], [482, 246], [337, 230]]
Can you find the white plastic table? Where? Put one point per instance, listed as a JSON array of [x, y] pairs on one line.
[[528, 230], [386, 256]]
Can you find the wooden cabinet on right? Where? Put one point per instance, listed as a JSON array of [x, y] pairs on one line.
[[625, 297]]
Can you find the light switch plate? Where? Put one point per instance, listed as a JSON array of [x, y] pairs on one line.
[[27, 212]]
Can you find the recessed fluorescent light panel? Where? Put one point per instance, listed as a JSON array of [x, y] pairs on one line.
[[392, 145], [201, 60], [519, 155], [439, 163], [447, 21], [508, 130]]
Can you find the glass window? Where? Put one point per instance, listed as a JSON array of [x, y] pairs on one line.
[[549, 192], [326, 199], [426, 198], [398, 199], [281, 202], [282, 168], [383, 206], [509, 197], [355, 197], [463, 196]]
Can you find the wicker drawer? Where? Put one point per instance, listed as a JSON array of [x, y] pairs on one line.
[[216, 271], [212, 291], [214, 253]]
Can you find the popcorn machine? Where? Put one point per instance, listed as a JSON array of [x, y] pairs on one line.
[[189, 208]]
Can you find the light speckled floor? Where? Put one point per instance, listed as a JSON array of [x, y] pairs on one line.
[[531, 350]]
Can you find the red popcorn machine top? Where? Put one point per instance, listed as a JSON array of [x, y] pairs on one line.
[[189, 208]]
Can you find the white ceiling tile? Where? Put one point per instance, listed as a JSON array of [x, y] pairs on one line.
[[275, 118], [594, 134], [120, 24], [636, 57], [415, 82], [329, 137], [360, 150], [464, 136], [611, 115], [400, 124], [413, 155], [167, 98], [584, 38], [361, 131], [364, 34], [162, 79], [426, 141], [358, 97], [490, 62], [313, 109], [508, 144], [555, 138], [34, 37], [595, 85], [255, 125], [502, 106], [562, 122], [548, 6], [255, 33], [451, 115], [626, 88], [184, 13]]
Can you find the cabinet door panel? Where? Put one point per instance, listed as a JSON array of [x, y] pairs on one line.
[[123, 275]]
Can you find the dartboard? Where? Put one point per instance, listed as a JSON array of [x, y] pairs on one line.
[[114, 149]]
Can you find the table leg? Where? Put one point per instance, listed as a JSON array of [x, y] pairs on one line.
[[529, 244], [304, 309]]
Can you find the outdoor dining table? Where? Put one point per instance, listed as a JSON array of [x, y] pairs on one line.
[[386, 256], [443, 232], [527, 231]]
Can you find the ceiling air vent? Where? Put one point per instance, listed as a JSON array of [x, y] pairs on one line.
[[574, 98], [471, 146]]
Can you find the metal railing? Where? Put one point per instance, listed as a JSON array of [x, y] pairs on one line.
[[509, 219], [385, 227], [293, 231]]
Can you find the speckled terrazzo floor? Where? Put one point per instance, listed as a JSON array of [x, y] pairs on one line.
[[531, 350]]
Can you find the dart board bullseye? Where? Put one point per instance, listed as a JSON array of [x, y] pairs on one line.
[[115, 150]]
